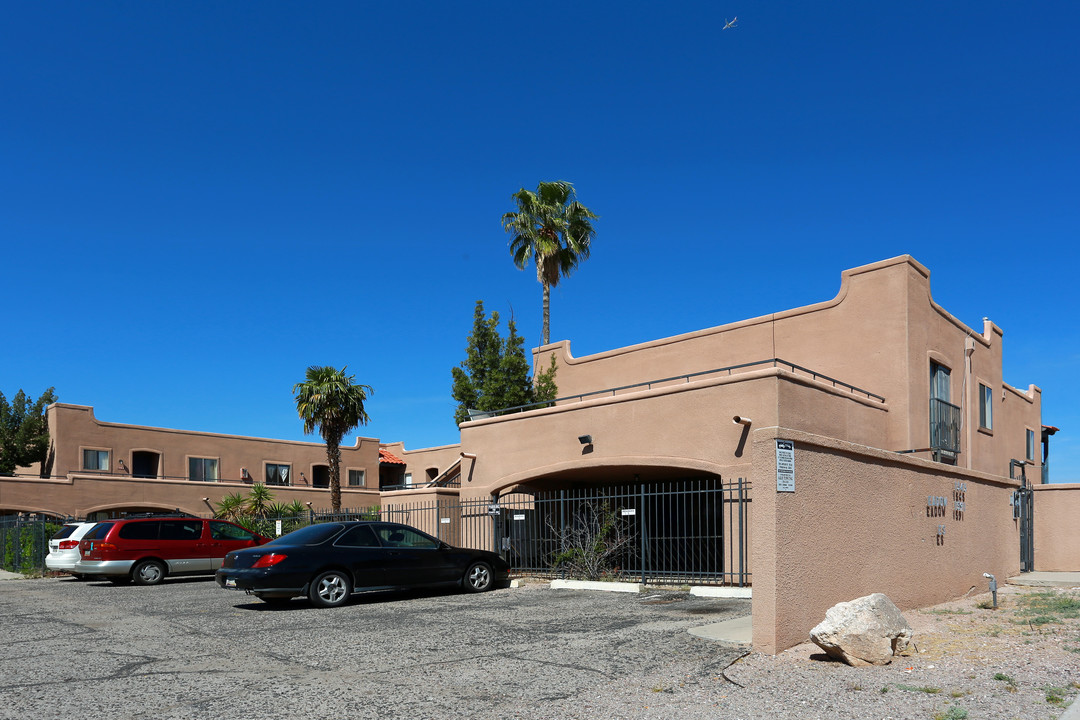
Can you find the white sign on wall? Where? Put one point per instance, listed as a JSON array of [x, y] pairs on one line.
[[785, 466]]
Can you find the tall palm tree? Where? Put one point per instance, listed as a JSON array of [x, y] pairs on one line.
[[331, 400], [553, 230]]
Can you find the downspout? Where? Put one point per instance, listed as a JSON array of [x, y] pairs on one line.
[[965, 400]]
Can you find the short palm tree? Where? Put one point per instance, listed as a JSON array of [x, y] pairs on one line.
[[553, 230], [331, 401]]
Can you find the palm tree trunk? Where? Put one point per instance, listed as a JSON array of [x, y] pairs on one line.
[[333, 457], [546, 334]]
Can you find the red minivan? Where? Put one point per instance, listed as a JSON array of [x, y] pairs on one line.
[[147, 549]]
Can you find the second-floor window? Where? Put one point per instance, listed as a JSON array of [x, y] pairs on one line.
[[203, 469], [1029, 444], [356, 478], [95, 460], [986, 407], [277, 474]]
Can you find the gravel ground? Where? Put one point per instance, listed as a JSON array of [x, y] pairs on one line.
[[189, 650], [967, 663]]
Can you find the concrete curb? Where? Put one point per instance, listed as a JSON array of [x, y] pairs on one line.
[[596, 585], [721, 592]]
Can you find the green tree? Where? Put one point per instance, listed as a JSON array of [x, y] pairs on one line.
[[24, 431], [495, 372], [514, 385], [545, 390], [333, 402], [551, 229], [477, 378]]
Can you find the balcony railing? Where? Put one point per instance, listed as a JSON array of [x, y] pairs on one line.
[[689, 377], [944, 426]]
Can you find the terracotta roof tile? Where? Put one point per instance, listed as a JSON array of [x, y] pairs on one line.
[[388, 457]]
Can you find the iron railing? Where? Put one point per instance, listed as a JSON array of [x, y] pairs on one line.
[[648, 385], [689, 531], [944, 426], [24, 542]]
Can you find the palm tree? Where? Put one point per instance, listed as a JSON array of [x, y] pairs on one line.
[[331, 400], [553, 230]]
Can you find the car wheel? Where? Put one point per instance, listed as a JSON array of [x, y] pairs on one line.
[[329, 589], [148, 572], [479, 577]]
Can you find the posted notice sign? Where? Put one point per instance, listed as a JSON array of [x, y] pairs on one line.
[[785, 466]]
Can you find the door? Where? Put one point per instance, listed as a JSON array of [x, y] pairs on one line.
[[1025, 500], [224, 538], [413, 558]]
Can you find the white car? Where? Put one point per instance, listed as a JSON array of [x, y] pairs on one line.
[[64, 547]]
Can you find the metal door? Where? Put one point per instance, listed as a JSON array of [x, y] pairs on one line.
[[1026, 506]]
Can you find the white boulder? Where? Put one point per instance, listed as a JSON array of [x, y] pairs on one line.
[[866, 631]]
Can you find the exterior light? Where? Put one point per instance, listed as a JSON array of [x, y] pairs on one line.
[[585, 439], [740, 420]]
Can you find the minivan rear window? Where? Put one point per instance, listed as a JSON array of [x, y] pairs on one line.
[[98, 531], [181, 529]]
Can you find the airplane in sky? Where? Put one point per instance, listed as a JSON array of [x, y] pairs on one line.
[[730, 24]]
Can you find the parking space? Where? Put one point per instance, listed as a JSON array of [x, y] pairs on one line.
[[189, 649]]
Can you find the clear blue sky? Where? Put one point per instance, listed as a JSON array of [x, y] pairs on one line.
[[198, 200]]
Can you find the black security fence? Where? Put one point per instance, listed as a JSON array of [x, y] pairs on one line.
[[24, 542], [686, 531]]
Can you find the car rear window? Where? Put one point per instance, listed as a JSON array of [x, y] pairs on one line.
[[140, 530], [98, 531], [310, 535], [64, 532]]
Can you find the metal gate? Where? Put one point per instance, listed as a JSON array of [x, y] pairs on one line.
[[681, 531], [1025, 500]]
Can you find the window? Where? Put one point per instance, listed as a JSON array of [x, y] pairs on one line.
[[986, 407], [358, 536], [408, 478], [95, 460], [400, 536], [181, 529], [356, 478], [1029, 445], [939, 382], [277, 474], [203, 469], [140, 530], [227, 531]]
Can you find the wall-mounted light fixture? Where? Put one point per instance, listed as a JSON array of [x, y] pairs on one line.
[[740, 420], [244, 474], [585, 439], [303, 479], [123, 466]]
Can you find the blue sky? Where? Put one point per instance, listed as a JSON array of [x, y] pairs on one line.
[[198, 200]]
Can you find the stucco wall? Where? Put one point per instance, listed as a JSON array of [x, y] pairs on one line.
[[79, 494], [1057, 527], [859, 522], [880, 333], [76, 428]]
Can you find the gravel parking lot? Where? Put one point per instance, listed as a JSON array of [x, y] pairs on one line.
[[187, 649]]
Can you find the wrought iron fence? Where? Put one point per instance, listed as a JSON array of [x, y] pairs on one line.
[[24, 542], [682, 531]]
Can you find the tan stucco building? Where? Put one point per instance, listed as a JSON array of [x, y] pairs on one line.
[[888, 401]]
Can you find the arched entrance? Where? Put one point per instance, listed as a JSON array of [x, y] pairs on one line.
[[642, 521]]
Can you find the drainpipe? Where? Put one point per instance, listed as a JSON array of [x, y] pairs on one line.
[[969, 350]]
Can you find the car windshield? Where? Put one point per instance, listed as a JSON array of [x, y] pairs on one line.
[[310, 535]]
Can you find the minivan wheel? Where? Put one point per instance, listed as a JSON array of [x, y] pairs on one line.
[[478, 578], [148, 572], [329, 589]]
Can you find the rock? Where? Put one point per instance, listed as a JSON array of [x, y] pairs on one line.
[[866, 631]]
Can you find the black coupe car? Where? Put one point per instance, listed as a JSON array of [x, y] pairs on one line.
[[330, 561]]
